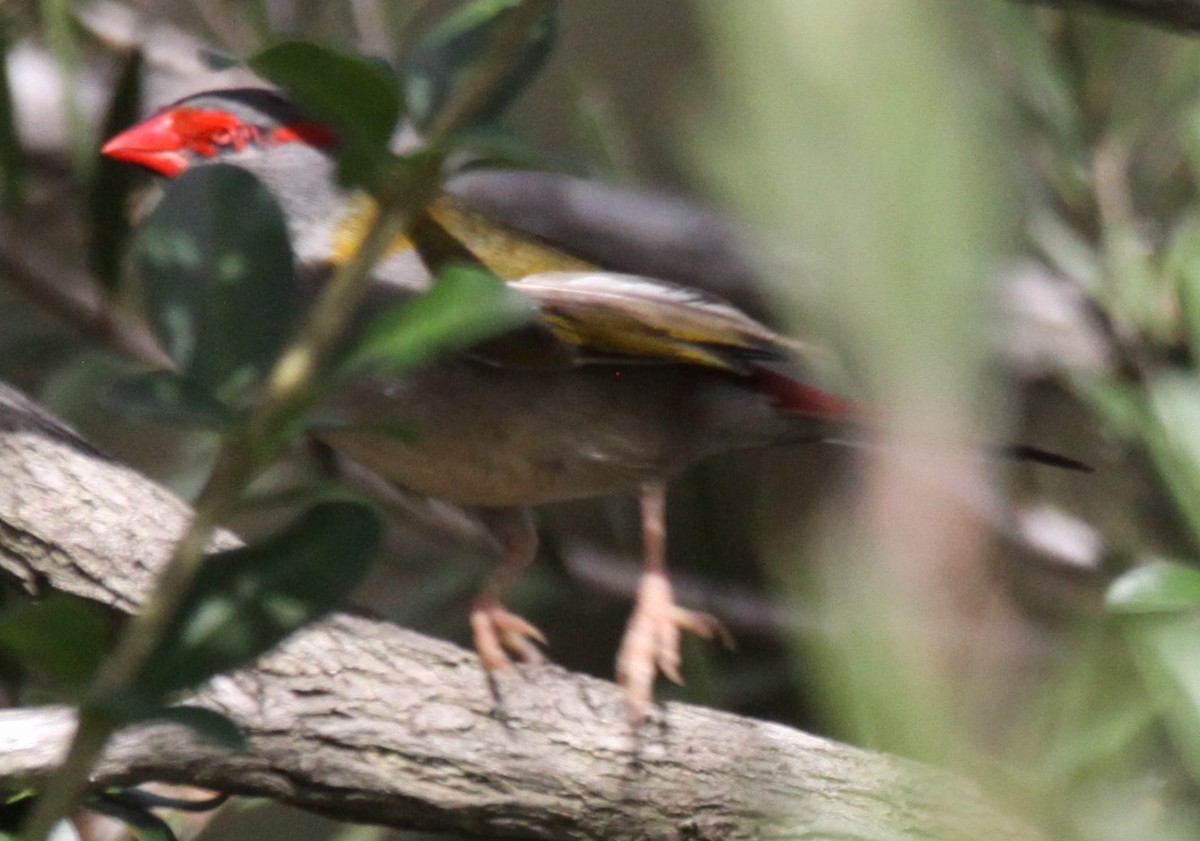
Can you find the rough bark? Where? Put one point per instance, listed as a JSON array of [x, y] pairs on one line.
[[364, 721], [1181, 15]]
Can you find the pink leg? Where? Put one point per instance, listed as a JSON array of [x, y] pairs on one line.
[[651, 642], [497, 630]]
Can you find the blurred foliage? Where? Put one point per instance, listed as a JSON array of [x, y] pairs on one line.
[[893, 160]]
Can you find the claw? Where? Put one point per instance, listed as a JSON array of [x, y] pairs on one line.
[[499, 632], [651, 642]]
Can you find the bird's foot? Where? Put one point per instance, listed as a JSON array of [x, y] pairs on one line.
[[651, 642], [499, 632]]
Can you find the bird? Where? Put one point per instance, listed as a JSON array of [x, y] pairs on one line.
[[619, 383]]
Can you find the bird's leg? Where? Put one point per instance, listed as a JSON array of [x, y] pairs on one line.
[[651, 642], [498, 631]]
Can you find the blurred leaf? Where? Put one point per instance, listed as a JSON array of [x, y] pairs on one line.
[[494, 147], [215, 267], [1045, 89], [12, 163], [112, 181], [1181, 265], [465, 305], [442, 59], [1133, 290], [1172, 435], [61, 35], [210, 724], [1158, 587], [146, 825], [246, 600], [62, 636], [1065, 249], [358, 97], [14, 808], [150, 800], [165, 397], [1167, 649]]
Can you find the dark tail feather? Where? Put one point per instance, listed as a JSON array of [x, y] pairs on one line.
[[1023, 452], [799, 398]]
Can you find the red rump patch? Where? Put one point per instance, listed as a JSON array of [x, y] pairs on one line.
[[803, 399]]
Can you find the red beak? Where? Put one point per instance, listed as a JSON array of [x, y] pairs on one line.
[[155, 143]]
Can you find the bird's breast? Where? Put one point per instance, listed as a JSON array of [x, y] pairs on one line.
[[476, 435]]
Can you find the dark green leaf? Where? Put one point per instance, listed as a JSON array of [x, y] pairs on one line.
[[112, 180], [150, 800], [146, 825], [64, 637], [495, 147], [164, 397], [440, 62], [358, 97], [207, 723], [11, 155], [466, 305], [246, 600], [1158, 587], [14, 809], [216, 272], [1172, 434]]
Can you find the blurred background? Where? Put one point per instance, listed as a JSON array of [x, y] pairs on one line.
[[987, 217]]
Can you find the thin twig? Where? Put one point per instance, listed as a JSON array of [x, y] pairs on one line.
[[73, 298]]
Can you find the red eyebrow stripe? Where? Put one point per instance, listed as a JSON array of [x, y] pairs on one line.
[[193, 122], [314, 134]]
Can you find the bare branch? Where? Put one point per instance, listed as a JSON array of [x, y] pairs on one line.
[[364, 721]]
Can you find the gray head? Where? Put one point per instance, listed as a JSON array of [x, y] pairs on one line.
[[252, 128]]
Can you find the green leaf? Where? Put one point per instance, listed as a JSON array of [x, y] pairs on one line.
[[441, 60], [358, 97], [165, 397], [215, 267], [1172, 435], [146, 825], [1167, 651], [495, 147], [1158, 587], [207, 723], [150, 800], [465, 305], [112, 181], [12, 157], [1182, 264], [62, 636], [14, 809], [246, 600]]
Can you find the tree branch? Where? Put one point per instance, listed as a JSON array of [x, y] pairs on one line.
[[364, 721]]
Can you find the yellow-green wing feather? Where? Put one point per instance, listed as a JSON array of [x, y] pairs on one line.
[[610, 315]]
